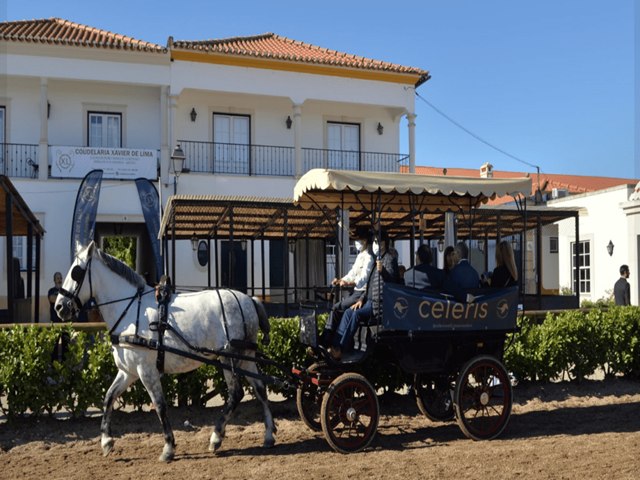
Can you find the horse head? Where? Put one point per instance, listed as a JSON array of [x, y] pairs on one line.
[[75, 292]]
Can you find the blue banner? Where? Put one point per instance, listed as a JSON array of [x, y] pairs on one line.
[[83, 225], [150, 203], [408, 309]]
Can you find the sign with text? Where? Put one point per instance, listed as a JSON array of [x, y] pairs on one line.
[[407, 309], [116, 163]]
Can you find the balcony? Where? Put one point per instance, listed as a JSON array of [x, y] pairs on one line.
[[242, 159], [19, 160]]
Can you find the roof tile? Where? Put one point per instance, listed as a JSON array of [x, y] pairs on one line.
[[63, 32], [271, 45]]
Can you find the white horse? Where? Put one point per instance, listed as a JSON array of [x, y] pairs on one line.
[[197, 322]]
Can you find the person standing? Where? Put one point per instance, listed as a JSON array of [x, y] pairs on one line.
[[621, 289], [52, 295]]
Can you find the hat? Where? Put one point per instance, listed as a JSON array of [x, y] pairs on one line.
[[361, 233]]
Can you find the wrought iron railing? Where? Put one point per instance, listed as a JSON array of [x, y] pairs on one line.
[[19, 160], [241, 159]]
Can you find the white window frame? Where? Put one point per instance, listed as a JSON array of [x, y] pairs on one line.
[[20, 249], [584, 266], [106, 134], [343, 156]]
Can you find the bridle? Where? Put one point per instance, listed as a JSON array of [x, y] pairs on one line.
[[79, 274]]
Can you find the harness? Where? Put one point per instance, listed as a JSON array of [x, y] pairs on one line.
[[161, 326]]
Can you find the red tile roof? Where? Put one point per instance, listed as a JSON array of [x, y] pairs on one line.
[[574, 184], [57, 31], [272, 46]]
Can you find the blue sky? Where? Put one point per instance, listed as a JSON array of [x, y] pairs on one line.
[[550, 82]]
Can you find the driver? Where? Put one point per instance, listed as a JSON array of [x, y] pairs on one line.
[[355, 279], [369, 305]]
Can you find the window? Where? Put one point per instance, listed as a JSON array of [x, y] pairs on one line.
[[553, 244], [343, 142], [583, 251], [105, 129], [20, 252], [231, 138]]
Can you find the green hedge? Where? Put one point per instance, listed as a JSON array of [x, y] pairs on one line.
[[574, 344], [570, 345]]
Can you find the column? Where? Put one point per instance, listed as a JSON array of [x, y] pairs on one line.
[[43, 143], [297, 138], [411, 119]]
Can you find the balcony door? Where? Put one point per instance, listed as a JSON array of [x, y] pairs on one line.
[[105, 130], [343, 142], [231, 139]]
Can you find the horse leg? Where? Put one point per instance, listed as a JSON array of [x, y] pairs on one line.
[[235, 397], [117, 388], [261, 393], [151, 380]]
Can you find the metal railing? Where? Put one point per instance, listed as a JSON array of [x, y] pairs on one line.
[[19, 160], [242, 159]]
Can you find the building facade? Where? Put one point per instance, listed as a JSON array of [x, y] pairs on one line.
[[251, 114]]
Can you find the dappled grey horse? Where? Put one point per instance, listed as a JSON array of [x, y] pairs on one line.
[[197, 323]]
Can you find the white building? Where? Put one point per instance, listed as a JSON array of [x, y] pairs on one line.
[[251, 114]]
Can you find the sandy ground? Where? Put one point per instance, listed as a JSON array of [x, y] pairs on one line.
[[569, 431]]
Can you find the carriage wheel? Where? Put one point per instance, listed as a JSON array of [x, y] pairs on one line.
[[308, 401], [483, 398], [433, 398], [349, 413]]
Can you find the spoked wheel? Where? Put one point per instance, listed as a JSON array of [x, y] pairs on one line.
[[483, 398], [433, 397], [309, 401], [349, 413]]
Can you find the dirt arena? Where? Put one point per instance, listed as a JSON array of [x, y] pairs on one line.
[[589, 430]]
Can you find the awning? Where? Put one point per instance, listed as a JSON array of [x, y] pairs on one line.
[[401, 191]]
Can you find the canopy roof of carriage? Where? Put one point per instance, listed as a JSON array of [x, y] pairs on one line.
[[403, 202]]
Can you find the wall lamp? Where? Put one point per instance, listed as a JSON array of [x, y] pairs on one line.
[[441, 245], [481, 245], [48, 109], [380, 128], [193, 114], [610, 248], [289, 122], [194, 242]]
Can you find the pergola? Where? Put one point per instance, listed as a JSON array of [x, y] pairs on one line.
[[16, 219]]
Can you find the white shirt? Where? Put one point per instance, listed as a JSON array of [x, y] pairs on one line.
[[359, 273]]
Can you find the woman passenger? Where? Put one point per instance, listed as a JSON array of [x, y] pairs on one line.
[[505, 274]]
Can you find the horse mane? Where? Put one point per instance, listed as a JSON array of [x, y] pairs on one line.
[[121, 269]]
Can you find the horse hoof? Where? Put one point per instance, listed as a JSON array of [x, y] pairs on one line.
[[269, 443], [167, 456], [107, 446], [214, 446]]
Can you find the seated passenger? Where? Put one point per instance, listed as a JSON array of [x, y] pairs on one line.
[[370, 304], [424, 275], [505, 274], [355, 280], [463, 276]]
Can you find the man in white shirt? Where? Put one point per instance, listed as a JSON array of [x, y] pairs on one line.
[[355, 279]]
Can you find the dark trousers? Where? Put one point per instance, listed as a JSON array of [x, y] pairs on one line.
[[336, 314]]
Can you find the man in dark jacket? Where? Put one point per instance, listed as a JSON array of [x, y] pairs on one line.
[[424, 275], [369, 305], [463, 276], [621, 289]]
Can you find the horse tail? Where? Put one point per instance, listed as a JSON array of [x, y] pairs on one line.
[[263, 320]]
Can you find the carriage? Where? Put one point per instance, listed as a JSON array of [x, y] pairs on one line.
[[453, 348]]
